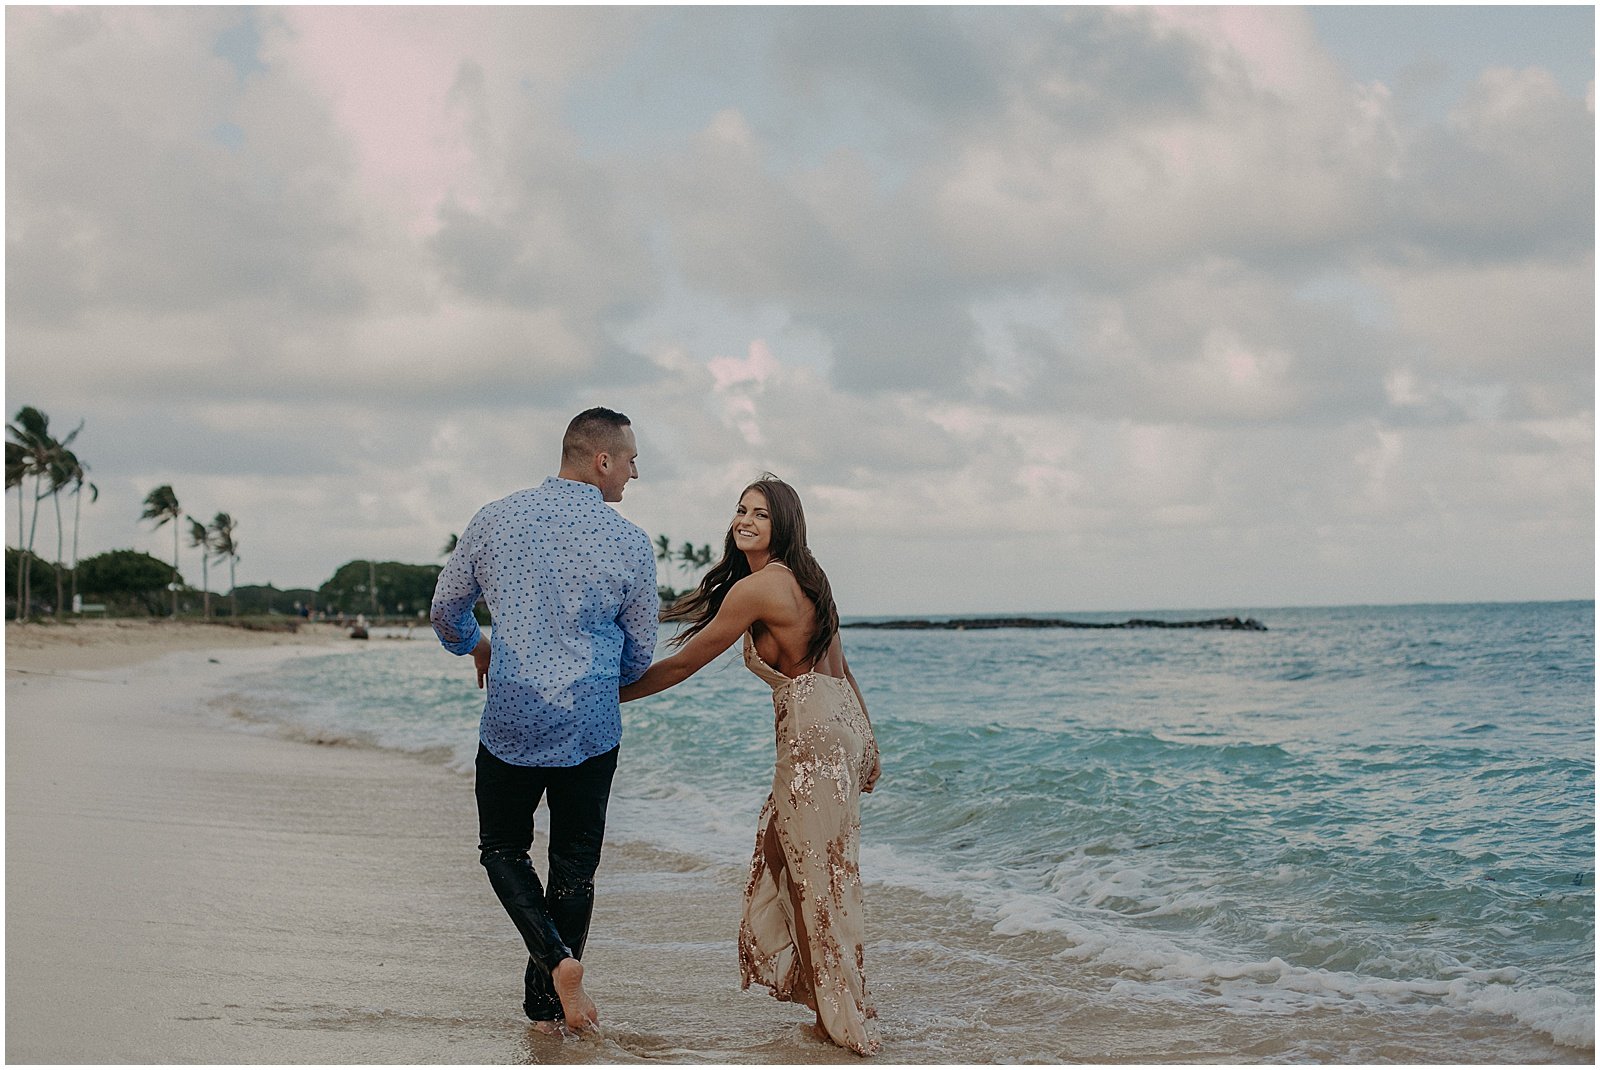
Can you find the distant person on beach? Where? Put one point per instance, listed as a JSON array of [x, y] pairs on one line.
[[571, 590], [800, 934]]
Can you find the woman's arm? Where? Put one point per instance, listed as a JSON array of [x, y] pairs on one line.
[[739, 610], [848, 675], [871, 780]]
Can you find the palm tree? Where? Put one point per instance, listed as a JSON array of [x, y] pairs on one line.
[[686, 558], [31, 432], [78, 471], [449, 546], [16, 469], [225, 545], [200, 538], [161, 505], [690, 558], [663, 548], [64, 467]]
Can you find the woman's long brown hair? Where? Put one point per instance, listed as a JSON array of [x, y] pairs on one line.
[[788, 545]]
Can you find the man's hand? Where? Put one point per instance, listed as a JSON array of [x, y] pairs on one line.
[[480, 658], [872, 776]]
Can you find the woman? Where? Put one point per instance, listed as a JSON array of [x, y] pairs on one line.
[[801, 931]]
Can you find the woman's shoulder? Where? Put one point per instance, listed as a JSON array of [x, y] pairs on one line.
[[765, 583], [771, 588], [789, 600], [757, 586]]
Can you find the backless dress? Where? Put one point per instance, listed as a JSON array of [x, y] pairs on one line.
[[825, 748]]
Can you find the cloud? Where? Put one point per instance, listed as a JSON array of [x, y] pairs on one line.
[[122, 198], [923, 68], [1083, 297], [1523, 329], [1509, 176]]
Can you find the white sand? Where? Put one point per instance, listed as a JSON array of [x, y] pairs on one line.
[[179, 890], [175, 891]]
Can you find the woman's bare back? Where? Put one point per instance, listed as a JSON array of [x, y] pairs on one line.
[[787, 622]]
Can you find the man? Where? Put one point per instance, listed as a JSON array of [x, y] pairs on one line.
[[571, 589]]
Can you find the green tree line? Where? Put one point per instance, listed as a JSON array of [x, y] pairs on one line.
[[131, 582], [134, 583]]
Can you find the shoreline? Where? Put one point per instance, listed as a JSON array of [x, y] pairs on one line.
[[90, 645], [187, 886], [183, 887]]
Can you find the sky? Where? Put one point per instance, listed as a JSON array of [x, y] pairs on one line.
[[1039, 308]]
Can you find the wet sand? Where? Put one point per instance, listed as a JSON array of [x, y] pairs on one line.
[[187, 886], [179, 890]]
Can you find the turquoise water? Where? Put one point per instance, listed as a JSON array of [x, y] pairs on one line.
[[1373, 806]]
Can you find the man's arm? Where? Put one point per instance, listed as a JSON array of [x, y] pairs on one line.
[[639, 617], [455, 594]]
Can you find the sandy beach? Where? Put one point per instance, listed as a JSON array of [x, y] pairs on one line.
[[179, 890], [187, 885]]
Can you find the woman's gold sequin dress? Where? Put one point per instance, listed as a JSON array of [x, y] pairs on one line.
[[806, 848]]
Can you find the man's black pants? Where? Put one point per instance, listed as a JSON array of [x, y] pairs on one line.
[[553, 921]]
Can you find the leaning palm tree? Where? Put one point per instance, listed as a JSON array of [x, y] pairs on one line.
[[200, 538], [225, 545], [687, 555], [31, 431], [64, 467], [161, 505], [449, 545], [16, 471]]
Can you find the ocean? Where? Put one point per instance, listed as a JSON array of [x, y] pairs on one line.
[[1364, 834]]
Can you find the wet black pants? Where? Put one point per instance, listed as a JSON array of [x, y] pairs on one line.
[[553, 920]]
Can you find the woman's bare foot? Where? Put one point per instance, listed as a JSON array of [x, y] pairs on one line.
[[576, 1005]]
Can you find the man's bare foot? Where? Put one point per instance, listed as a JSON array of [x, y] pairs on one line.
[[576, 1005], [553, 1029]]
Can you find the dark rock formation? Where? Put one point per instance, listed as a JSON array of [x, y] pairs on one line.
[[1248, 624]]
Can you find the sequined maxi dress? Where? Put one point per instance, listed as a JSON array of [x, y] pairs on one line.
[[825, 749]]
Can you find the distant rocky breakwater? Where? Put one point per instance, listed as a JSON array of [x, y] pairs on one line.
[[965, 624]]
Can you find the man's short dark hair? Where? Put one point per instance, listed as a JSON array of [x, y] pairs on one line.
[[592, 431]]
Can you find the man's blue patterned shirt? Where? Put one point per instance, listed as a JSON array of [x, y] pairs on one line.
[[571, 589]]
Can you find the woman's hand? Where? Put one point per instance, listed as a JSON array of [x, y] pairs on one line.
[[871, 780]]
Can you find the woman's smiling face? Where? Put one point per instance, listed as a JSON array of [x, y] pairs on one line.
[[752, 523]]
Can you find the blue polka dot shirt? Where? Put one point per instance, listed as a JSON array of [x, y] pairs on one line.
[[571, 589]]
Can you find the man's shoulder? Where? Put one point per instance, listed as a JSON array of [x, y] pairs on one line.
[[627, 532], [513, 498], [553, 499]]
